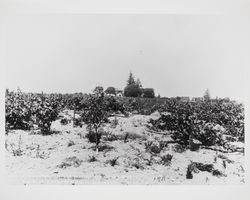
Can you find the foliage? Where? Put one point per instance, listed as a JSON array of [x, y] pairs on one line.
[[98, 90], [133, 88], [92, 159], [18, 114], [138, 83], [94, 137], [131, 79], [197, 167], [132, 91], [22, 110], [113, 161], [205, 121], [207, 95], [166, 159], [64, 121], [96, 110], [148, 93], [45, 114], [110, 90]]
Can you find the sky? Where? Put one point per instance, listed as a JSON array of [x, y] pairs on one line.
[[177, 55]]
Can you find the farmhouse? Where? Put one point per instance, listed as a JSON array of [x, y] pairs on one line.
[[116, 92], [119, 92]]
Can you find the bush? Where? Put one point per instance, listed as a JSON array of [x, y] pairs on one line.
[[148, 93], [22, 110], [112, 105], [112, 137], [45, 115], [110, 90], [105, 147], [64, 121], [208, 135], [200, 121], [95, 113], [92, 159], [153, 148], [132, 91], [71, 143], [114, 122], [166, 159], [196, 167], [113, 161], [18, 114], [178, 148], [132, 136], [94, 137], [78, 122]]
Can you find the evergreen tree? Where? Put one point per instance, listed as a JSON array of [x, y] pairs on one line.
[[207, 95], [131, 79], [138, 83]]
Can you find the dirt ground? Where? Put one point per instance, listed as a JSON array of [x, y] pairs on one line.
[[67, 157]]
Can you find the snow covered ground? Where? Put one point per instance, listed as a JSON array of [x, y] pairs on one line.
[[67, 157]]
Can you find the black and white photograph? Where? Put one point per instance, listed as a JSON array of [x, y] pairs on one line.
[[125, 99]]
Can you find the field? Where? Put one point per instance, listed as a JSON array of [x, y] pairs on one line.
[[138, 145]]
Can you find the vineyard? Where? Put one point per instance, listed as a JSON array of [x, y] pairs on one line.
[[136, 140]]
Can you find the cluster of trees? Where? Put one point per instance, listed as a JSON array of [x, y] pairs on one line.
[[205, 121], [23, 111], [135, 89]]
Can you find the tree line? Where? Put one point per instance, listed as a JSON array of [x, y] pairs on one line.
[[133, 88]]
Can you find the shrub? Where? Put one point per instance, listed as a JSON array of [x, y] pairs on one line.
[[98, 90], [204, 167], [77, 122], [189, 174], [166, 159], [200, 120], [18, 114], [17, 151], [132, 91], [114, 123], [217, 173], [196, 167], [152, 147], [105, 147], [95, 114], [155, 149], [96, 110], [45, 115], [178, 148], [113, 161], [148, 93], [136, 163], [132, 136], [111, 137], [71, 143], [225, 158], [110, 90], [113, 105], [92, 159], [64, 121], [208, 135], [94, 137]]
